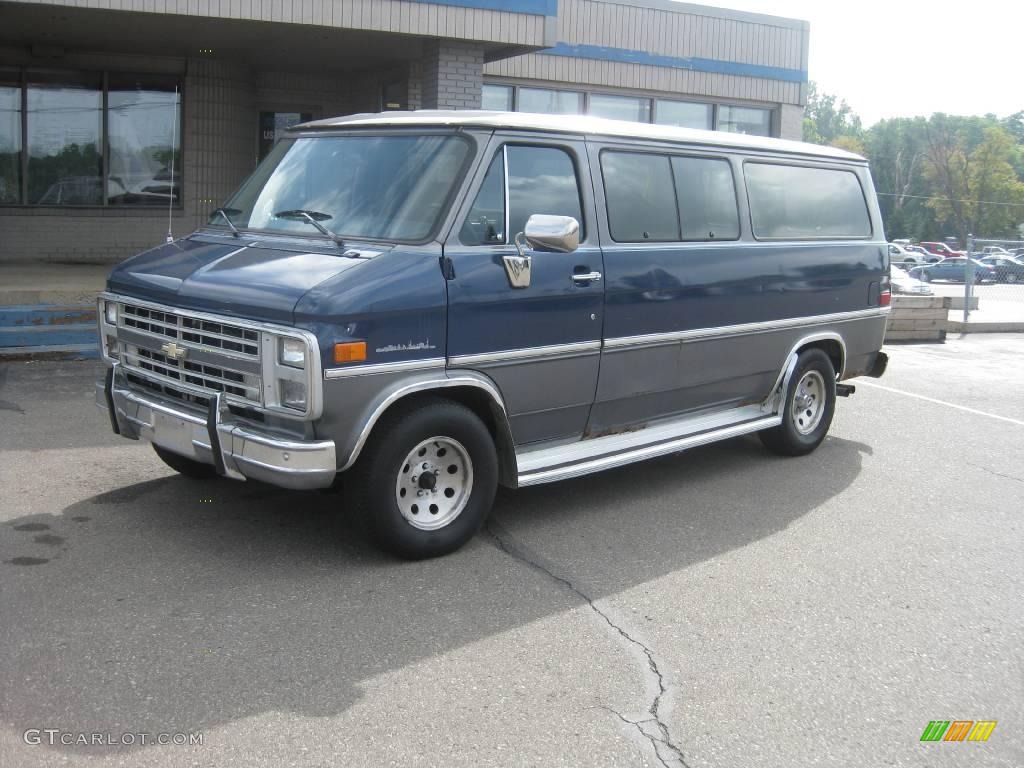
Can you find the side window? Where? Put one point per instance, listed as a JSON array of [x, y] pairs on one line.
[[640, 196], [798, 202], [540, 180], [707, 198], [485, 223]]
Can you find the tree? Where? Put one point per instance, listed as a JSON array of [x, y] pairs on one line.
[[975, 189], [825, 121]]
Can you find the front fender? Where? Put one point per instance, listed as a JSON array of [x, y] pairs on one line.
[[354, 405]]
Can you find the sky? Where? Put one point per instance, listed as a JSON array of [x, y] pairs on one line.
[[903, 58]]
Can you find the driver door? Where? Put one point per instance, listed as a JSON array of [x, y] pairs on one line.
[[539, 343]]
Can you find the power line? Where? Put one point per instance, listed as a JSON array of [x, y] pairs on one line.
[[949, 200]]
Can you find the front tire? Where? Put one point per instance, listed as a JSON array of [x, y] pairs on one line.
[[810, 403], [185, 466], [426, 479]]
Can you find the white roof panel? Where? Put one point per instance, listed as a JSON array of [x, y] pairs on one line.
[[582, 124]]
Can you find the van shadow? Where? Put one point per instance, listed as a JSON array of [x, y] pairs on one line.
[[177, 605]]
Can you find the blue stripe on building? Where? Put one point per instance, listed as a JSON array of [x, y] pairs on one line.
[[535, 7], [716, 66]]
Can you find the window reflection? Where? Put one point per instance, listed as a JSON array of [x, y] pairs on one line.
[[548, 102], [496, 98], [142, 133], [757, 122], [64, 148], [683, 114], [620, 107], [10, 143], [374, 187]]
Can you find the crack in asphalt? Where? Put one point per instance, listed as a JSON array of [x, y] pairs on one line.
[[652, 728], [993, 472]]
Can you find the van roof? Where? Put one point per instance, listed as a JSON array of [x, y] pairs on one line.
[[582, 124]]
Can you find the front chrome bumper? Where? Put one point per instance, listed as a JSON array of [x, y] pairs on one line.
[[236, 451]]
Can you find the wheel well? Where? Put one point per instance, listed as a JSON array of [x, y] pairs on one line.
[[830, 347], [489, 412]]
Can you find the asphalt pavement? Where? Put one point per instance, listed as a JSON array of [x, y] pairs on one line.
[[721, 607]]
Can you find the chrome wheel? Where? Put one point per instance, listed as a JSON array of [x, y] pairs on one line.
[[808, 402], [434, 483]]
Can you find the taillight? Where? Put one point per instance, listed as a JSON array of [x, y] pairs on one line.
[[885, 294]]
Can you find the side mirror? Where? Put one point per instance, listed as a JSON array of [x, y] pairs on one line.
[[560, 234]]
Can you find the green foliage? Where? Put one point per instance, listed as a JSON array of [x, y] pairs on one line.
[[825, 120], [935, 177]]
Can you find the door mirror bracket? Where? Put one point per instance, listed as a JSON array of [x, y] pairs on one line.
[[560, 234]]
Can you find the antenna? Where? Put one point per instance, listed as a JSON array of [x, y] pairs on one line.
[[174, 137]]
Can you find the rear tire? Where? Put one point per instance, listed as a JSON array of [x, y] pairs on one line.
[[426, 479], [185, 466], [1011, 277], [810, 403]]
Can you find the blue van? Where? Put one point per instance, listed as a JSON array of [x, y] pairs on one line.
[[433, 303]]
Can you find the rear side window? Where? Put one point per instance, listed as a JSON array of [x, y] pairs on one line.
[[641, 197], [539, 179], [797, 203], [707, 198]]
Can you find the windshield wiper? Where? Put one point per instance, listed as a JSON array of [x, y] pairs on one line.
[[314, 218], [224, 214]]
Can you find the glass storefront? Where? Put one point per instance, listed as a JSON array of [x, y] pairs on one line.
[[757, 122], [60, 139], [641, 109], [684, 114]]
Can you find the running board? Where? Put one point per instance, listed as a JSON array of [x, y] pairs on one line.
[[546, 465]]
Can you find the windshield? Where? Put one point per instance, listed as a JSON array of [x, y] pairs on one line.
[[371, 187]]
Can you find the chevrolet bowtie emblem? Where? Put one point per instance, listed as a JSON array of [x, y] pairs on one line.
[[173, 350]]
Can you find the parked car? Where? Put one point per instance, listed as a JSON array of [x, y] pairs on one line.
[[1008, 270], [941, 249], [434, 303], [954, 270], [995, 250], [900, 255], [926, 256], [903, 283]]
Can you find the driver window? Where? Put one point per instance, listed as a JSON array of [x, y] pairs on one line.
[[540, 180]]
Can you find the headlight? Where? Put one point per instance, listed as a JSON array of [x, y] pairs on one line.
[[110, 311], [293, 353], [293, 394]]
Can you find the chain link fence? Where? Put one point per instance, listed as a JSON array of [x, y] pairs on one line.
[[990, 271]]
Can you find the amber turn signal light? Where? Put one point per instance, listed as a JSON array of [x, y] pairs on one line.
[[350, 352]]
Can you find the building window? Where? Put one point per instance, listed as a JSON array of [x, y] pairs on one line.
[[549, 102], [68, 158], [757, 122], [496, 98], [641, 109], [620, 107], [10, 141], [65, 148], [683, 114], [141, 133]]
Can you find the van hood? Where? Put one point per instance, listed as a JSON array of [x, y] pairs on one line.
[[242, 277]]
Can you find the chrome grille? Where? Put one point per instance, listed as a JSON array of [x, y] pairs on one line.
[[189, 379], [199, 331]]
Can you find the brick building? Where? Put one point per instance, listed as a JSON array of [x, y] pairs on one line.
[[95, 102]]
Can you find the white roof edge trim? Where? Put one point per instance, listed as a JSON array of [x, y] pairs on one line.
[[581, 124]]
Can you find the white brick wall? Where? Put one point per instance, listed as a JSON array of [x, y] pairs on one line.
[[452, 75]]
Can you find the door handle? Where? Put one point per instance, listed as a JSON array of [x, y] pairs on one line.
[[587, 277]]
